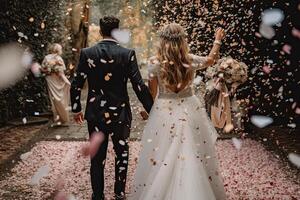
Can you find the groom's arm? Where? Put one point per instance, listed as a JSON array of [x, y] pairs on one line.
[[139, 87], [78, 83]]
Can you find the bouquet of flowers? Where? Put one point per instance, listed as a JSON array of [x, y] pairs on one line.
[[230, 70], [52, 66], [227, 73]]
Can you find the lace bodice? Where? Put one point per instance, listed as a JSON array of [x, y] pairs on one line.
[[198, 62]]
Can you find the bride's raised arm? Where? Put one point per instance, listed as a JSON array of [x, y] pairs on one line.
[[215, 51], [204, 62]]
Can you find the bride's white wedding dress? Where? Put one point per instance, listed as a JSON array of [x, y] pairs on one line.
[[178, 159]]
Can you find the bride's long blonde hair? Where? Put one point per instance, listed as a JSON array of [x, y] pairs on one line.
[[173, 54]]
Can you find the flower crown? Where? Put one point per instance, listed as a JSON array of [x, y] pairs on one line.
[[171, 36]]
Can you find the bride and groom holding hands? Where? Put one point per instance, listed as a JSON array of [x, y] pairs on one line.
[[178, 159]]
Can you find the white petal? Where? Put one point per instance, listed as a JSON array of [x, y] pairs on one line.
[[261, 121], [121, 142], [103, 61], [272, 16], [237, 143], [295, 159], [123, 36], [40, 173]]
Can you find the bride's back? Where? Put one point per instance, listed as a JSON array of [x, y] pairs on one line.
[[173, 65], [174, 59]]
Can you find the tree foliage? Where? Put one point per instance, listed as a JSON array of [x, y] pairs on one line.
[[42, 23]]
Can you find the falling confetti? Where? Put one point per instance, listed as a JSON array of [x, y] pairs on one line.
[[237, 143], [295, 159], [92, 147], [39, 174], [24, 120], [58, 137], [14, 64], [121, 142], [122, 36], [91, 63], [266, 31], [272, 16], [261, 121], [36, 69], [43, 25], [24, 156]]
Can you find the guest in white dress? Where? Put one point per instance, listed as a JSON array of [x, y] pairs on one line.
[[53, 67], [178, 159]]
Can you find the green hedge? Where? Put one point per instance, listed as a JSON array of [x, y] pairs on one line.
[[27, 16]]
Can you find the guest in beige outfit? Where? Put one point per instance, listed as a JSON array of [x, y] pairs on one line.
[[53, 67]]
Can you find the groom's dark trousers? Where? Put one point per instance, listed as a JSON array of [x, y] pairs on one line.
[[107, 67], [119, 133]]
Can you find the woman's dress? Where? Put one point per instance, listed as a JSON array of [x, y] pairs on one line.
[[58, 88], [178, 159]]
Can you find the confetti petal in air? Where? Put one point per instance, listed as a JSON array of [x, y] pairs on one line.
[[61, 196], [14, 64], [266, 31], [91, 63], [92, 147], [261, 121], [287, 48], [24, 120], [122, 142], [295, 159], [24, 156], [296, 33], [36, 69], [237, 143], [292, 125], [58, 137], [122, 36], [272, 16], [40, 173], [103, 61], [267, 69]]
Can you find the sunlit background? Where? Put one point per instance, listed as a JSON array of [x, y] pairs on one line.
[[265, 35]]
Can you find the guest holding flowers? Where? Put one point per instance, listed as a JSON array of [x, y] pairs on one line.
[[53, 67]]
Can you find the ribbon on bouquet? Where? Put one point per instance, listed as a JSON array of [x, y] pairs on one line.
[[220, 110]]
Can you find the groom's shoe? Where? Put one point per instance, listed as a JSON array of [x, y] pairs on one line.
[[97, 198], [120, 197]]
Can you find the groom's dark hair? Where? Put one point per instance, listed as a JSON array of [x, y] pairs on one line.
[[107, 24]]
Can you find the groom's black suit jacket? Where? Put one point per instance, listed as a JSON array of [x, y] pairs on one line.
[[107, 66]]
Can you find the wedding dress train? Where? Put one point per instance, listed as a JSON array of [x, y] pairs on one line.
[[178, 159]]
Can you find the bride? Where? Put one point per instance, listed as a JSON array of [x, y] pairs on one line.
[[178, 159]]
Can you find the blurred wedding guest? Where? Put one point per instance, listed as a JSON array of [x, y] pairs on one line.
[[53, 67]]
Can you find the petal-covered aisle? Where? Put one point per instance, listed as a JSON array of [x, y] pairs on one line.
[[250, 173]]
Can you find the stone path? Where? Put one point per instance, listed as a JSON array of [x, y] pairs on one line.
[[78, 132], [10, 136], [249, 173]]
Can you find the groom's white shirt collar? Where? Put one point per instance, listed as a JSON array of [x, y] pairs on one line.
[[112, 40]]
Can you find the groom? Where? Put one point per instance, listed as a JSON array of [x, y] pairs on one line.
[[107, 66]]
